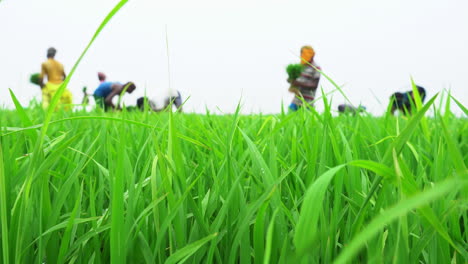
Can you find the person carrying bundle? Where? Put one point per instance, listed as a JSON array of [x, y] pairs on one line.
[[305, 82], [55, 75]]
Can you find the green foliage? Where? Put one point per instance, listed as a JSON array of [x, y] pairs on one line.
[[140, 187], [133, 187], [294, 71], [34, 78]]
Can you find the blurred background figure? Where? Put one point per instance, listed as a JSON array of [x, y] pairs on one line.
[[174, 99], [169, 102], [306, 84], [404, 102], [151, 105], [106, 91], [55, 73], [349, 109], [85, 100]]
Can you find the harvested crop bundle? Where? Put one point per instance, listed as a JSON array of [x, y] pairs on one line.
[[34, 78], [294, 71]]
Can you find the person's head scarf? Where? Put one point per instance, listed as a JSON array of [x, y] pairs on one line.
[[307, 54]]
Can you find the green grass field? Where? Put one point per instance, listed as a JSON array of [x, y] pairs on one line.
[[127, 187]]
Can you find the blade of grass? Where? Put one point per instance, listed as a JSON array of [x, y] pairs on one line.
[[184, 253], [3, 210], [67, 237], [306, 229], [462, 107], [269, 238]]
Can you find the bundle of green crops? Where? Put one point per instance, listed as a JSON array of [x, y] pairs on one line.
[[134, 187], [294, 71], [34, 78]]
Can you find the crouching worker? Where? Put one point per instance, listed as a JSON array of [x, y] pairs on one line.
[[174, 99], [404, 102], [106, 91], [55, 75], [144, 100], [349, 109]]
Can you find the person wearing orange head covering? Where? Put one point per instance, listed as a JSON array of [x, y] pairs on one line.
[[306, 84]]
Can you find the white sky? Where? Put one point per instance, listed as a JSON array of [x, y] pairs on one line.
[[222, 51]]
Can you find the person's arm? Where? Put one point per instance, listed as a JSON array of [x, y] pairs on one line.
[[108, 100], [294, 90], [41, 76], [310, 85], [116, 90]]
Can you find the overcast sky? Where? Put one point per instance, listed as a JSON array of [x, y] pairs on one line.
[[221, 52]]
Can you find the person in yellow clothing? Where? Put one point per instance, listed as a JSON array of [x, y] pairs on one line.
[[55, 76]]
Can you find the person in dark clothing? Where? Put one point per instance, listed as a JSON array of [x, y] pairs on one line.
[[173, 100], [141, 104], [404, 102]]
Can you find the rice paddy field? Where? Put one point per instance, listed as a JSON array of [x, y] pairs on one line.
[[305, 187]]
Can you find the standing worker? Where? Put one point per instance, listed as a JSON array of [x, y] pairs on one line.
[[306, 84], [55, 76]]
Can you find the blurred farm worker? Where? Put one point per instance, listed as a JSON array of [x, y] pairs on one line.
[[174, 99], [144, 100], [306, 84], [102, 77], [86, 95], [106, 91], [349, 109], [404, 102], [55, 76]]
